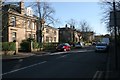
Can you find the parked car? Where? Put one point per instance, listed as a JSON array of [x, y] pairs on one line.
[[78, 45], [101, 47], [63, 47]]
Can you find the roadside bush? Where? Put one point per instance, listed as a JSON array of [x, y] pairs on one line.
[[36, 45], [25, 45], [50, 46], [8, 46]]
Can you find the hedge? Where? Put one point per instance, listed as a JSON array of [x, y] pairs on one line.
[[25, 45], [8, 46]]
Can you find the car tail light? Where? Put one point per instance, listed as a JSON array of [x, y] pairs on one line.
[[63, 46]]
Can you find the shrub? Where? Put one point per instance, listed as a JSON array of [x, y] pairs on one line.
[[25, 45], [8, 46], [50, 46], [35, 45]]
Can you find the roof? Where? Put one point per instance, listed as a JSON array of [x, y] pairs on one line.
[[9, 7], [47, 26], [66, 28]]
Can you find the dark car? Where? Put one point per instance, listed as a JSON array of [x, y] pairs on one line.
[[63, 47]]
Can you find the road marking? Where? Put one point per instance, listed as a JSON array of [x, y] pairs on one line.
[[61, 56], [100, 74], [22, 68], [57, 53], [97, 75], [83, 51], [20, 60]]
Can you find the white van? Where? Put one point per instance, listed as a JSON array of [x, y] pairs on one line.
[[105, 40]]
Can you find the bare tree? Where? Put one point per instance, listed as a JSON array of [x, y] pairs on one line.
[[45, 14], [85, 29], [72, 23], [107, 7], [45, 11], [84, 26]]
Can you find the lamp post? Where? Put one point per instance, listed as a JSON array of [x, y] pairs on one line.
[[115, 32]]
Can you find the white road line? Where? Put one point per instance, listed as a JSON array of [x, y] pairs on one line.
[[100, 74], [83, 51], [57, 53], [95, 76], [61, 56], [22, 68]]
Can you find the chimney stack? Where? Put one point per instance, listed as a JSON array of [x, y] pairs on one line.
[[22, 7]]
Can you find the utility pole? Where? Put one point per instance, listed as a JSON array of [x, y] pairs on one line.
[[115, 32], [39, 24]]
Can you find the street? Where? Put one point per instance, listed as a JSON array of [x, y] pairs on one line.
[[79, 63]]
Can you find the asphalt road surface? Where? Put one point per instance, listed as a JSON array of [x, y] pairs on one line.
[[79, 63]]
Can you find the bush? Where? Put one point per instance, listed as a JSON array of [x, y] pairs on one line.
[[50, 46], [25, 45], [8, 46], [36, 45]]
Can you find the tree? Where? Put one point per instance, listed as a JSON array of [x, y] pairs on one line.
[[85, 29], [107, 7], [72, 23], [84, 26], [46, 13]]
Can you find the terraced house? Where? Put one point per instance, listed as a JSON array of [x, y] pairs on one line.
[[18, 23]]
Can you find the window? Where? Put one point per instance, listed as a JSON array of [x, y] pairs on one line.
[[29, 36], [47, 39], [29, 24], [51, 39], [33, 25], [47, 30], [13, 21], [34, 36], [54, 32], [14, 36], [54, 39]]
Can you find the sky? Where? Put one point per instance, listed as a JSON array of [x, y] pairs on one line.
[[79, 11], [88, 11]]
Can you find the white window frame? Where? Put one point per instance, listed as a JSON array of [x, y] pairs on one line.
[[13, 21]]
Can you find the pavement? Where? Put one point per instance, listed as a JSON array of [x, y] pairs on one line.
[[113, 68], [21, 55]]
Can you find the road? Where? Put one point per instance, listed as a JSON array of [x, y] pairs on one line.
[[79, 63]]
